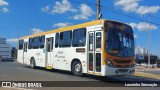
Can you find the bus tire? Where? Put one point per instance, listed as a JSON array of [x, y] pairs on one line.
[[32, 63], [77, 69]]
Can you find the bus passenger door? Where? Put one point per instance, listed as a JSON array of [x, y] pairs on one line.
[[91, 52], [94, 52], [98, 51], [49, 51]]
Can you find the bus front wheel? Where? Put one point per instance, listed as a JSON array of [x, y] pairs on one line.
[[77, 68]]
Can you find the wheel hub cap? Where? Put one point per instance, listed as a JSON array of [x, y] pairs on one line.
[[78, 68]]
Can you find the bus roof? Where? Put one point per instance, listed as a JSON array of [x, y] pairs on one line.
[[96, 22]]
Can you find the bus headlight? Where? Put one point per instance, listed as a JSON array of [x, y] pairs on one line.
[[109, 63]]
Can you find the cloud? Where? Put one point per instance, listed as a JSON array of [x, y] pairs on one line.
[[5, 10], [35, 30], [127, 5], [45, 9], [12, 40], [62, 7], [133, 6], [60, 25], [143, 26], [142, 10], [85, 12], [3, 3], [82, 13], [133, 25], [135, 36]]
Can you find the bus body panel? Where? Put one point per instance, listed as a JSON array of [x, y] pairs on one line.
[[38, 55], [20, 56], [62, 57], [70, 54], [108, 71]]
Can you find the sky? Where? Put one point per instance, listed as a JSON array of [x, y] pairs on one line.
[[26, 17]]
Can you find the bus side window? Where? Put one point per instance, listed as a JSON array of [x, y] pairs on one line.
[[42, 41], [30, 43], [35, 42], [98, 41], [67, 38], [57, 40], [21, 44], [61, 39], [91, 42], [79, 37]]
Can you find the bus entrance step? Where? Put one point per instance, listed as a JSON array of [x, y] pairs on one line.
[[49, 67]]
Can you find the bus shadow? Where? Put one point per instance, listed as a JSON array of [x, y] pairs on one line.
[[122, 79], [107, 79], [51, 70]]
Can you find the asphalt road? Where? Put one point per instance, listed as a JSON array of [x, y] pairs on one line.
[[13, 71], [151, 71], [157, 72]]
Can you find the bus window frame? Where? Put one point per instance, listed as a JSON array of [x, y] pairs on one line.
[[21, 46], [84, 37]]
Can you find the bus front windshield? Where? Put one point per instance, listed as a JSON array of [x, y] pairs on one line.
[[120, 43]]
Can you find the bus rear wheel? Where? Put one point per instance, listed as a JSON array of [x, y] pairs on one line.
[[77, 69], [32, 63]]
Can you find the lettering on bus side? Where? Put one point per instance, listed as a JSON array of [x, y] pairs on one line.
[[38, 54], [60, 54]]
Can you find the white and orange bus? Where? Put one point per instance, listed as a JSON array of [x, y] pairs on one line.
[[101, 47]]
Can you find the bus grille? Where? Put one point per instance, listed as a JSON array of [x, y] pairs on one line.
[[122, 66], [122, 61], [122, 70]]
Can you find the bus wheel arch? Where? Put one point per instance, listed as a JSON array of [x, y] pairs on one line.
[[32, 63], [76, 67]]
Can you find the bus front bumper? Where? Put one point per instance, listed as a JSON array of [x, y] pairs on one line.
[[107, 71]]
